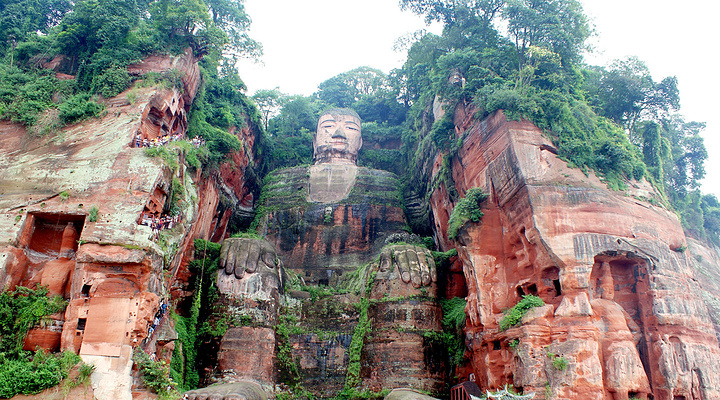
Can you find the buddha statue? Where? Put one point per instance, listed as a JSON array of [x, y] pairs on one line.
[[623, 370], [320, 223]]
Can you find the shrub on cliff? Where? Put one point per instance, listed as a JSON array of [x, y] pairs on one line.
[[21, 371], [516, 313], [78, 107], [155, 374], [453, 322], [467, 209], [21, 310], [33, 373]]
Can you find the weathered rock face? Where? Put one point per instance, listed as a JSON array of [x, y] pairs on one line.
[[321, 348], [110, 267], [400, 351], [624, 315]]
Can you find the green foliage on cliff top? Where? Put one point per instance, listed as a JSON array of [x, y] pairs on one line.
[[96, 41]]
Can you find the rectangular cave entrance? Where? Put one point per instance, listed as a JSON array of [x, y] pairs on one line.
[[48, 237], [622, 277], [45, 232]]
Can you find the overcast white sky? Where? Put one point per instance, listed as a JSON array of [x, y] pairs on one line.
[[309, 41]]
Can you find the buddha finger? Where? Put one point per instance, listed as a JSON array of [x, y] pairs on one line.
[[414, 265], [269, 259], [253, 256], [227, 256], [241, 259], [403, 267], [431, 265], [424, 268], [385, 261]]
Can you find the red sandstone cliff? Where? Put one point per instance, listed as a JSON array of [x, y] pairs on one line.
[[114, 271], [624, 307]]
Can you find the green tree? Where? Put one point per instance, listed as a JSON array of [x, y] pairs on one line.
[[230, 16], [685, 166], [656, 150], [627, 93], [556, 25], [180, 21], [269, 102], [20, 19], [466, 23], [96, 23], [711, 217], [348, 87]]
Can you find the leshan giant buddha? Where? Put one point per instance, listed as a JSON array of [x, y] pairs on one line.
[[321, 223]]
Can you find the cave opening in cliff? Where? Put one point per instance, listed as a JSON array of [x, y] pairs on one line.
[[45, 232], [532, 289], [556, 285], [550, 288], [49, 242], [620, 278]]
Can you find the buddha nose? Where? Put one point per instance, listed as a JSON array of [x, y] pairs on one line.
[[339, 133]]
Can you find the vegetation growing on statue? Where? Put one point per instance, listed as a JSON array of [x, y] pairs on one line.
[[466, 210], [515, 314], [453, 322]]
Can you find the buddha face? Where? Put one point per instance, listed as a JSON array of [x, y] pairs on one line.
[[338, 138]]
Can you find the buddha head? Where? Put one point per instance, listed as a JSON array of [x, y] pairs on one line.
[[338, 137]]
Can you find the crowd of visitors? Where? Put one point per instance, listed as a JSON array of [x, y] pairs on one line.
[[155, 142], [160, 223], [197, 141], [158, 318]]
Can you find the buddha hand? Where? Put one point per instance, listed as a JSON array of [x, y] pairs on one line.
[[412, 264], [239, 256]]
